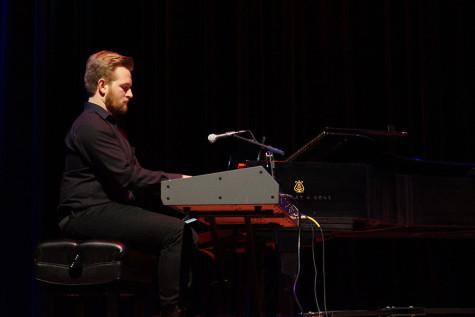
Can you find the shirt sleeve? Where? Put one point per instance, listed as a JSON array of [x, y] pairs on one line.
[[112, 158]]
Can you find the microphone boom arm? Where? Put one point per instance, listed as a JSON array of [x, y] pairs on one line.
[[263, 146]]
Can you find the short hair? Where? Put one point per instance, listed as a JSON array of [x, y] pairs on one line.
[[102, 65]]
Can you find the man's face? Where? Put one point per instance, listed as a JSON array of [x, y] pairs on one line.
[[119, 91]]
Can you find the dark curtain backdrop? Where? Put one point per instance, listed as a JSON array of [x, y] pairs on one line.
[[282, 69]]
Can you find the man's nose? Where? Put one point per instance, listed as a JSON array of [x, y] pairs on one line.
[[129, 94]]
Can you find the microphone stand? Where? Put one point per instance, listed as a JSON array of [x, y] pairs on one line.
[[269, 151]]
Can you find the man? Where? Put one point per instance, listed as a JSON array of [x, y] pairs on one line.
[[102, 173]]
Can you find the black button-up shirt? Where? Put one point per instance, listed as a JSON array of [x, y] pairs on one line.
[[101, 165]]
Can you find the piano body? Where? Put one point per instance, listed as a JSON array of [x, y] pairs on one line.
[[347, 180]]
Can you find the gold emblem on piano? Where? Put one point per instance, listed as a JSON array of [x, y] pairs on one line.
[[299, 188]]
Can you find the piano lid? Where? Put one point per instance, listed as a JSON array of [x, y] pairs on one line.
[[338, 145], [329, 144]]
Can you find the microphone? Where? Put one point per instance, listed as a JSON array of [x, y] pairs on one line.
[[213, 137]]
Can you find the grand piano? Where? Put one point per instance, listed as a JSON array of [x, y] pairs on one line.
[[399, 232], [349, 180]]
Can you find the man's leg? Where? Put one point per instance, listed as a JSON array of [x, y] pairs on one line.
[[167, 236]]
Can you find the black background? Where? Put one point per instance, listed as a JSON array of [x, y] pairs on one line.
[[282, 69]]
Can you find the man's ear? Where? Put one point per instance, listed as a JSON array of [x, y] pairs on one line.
[[102, 86]]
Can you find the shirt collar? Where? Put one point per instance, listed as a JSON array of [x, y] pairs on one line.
[[89, 106]]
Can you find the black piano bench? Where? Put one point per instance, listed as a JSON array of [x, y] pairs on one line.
[[94, 278]]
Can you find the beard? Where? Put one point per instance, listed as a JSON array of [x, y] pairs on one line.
[[115, 106]]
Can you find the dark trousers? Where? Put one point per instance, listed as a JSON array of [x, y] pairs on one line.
[[167, 236]]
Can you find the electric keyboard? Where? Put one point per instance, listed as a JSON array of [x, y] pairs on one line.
[[232, 197]]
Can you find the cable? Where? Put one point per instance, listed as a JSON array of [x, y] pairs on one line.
[[324, 273], [318, 225], [298, 267], [299, 218], [323, 268], [252, 134], [315, 271]]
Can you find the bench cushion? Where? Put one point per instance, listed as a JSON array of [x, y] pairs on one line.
[[69, 262]]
